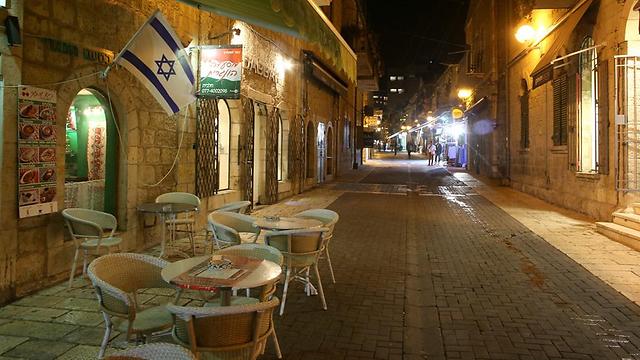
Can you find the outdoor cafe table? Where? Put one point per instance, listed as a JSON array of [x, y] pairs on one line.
[[166, 211], [286, 223], [266, 272]]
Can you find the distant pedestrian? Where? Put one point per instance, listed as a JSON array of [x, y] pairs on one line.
[[431, 150], [438, 152], [395, 149], [409, 147]]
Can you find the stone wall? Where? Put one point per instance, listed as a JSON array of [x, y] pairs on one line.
[[543, 169], [34, 251]]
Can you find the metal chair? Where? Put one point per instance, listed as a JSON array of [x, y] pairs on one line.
[[87, 228], [239, 207], [226, 332], [187, 221], [329, 218], [155, 351], [301, 250], [231, 228], [117, 279]]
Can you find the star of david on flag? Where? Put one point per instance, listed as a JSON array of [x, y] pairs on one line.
[[156, 57]]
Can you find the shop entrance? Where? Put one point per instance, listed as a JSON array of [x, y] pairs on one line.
[[321, 146], [90, 153], [259, 150]]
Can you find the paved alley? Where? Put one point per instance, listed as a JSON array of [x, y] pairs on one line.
[[426, 268]]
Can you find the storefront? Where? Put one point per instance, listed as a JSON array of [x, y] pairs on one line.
[[114, 147]]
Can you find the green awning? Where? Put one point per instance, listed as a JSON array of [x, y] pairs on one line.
[[299, 18]]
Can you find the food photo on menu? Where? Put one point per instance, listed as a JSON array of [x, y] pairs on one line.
[[47, 194], [29, 176], [47, 175], [28, 197], [28, 132], [28, 155], [47, 154], [47, 132], [47, 112], [29, 110]]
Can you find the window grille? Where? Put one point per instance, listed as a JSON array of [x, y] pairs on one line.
[[207, 148]]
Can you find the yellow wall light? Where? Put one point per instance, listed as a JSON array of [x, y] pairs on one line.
[[464, 93], [525, 33]]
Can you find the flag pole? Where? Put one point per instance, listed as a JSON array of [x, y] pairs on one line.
[[126, 47]]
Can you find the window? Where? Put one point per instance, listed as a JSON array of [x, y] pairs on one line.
[[224, 143], [400, 91], [280, 145], [393, 78], [524, 115], [560, 110], [587, 108], [400, 77], [394, 90]]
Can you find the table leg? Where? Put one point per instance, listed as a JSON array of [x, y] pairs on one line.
[[225, 297], [163, 243]]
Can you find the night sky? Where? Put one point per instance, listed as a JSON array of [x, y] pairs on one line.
[[421, 33]]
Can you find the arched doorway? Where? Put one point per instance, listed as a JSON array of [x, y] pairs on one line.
[[90, 153], [321, 144], [310, 142]]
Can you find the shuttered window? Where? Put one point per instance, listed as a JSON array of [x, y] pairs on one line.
[[560, 102], [603, 117], [524, 116]]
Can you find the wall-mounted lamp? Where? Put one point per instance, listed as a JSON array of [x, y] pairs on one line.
[[525, 34], [464, 93], [233, 31]]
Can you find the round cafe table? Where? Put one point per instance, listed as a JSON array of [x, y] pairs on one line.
[[286, 223], [266, 272], [166, 211]]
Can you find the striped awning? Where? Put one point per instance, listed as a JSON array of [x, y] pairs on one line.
[[299, 18]]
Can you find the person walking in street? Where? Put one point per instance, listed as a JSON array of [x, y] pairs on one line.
[[395, 149], [409, 150], [438, 152], [431, 149]]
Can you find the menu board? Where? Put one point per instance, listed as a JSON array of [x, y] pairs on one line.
[[36, 151]]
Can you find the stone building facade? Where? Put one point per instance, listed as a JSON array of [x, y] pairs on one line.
[[285, 134], [561, 102]]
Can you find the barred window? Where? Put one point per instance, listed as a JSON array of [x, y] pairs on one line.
[[524, 115], [587, 108]]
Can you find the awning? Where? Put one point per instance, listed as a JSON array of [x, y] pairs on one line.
[[299, 18], [543, 71]]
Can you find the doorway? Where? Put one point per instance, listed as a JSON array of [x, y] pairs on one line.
[[321, 146], [90, 153], [259, 150]]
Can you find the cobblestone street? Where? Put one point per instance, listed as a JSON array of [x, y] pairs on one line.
[[427, 267]]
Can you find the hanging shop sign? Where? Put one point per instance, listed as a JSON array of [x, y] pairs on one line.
[[221, 71], [457, 113], [36, 151]]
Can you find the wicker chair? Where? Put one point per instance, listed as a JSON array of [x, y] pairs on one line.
[[329, 218], [301, 250], [239, 207], [256, 251], [187, 221], [87, 228], [116, 279], [231, 228], [155, 351], [226, 332]]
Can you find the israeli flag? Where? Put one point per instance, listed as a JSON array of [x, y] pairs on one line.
[[156, 57]]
